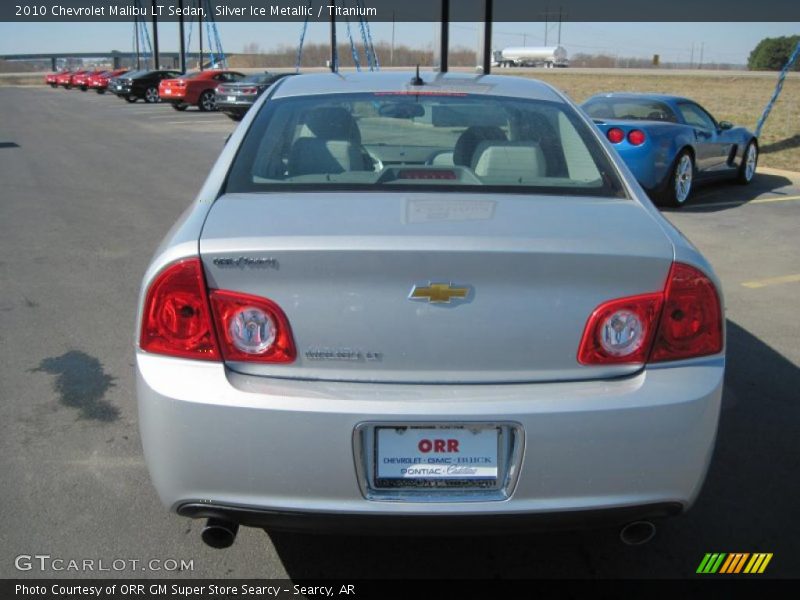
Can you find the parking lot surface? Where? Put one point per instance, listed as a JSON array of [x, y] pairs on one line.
[[90, 184]]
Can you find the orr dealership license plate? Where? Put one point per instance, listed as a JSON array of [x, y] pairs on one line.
[[419, 454]]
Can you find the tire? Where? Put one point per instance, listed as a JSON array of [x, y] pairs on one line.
[[208, 101], [130, 98], [234, 116], [180, 106], [151, 95], [84, 88], [99, 91], [681, 179], [54, 85], [747, 170]]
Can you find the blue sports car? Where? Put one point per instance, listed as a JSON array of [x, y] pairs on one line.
[[669, 143]]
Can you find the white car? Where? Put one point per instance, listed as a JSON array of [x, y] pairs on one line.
[[403, 302]]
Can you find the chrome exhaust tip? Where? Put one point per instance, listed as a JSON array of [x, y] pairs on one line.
[[219, 533]]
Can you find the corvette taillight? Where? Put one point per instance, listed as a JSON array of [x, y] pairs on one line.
[[636, 137], [615, 135], [683, 321], [181, 319]]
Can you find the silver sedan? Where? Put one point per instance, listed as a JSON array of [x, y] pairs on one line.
[[435, 302]]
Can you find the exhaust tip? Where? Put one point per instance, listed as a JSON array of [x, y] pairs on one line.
[[219, 533], [637, 533]]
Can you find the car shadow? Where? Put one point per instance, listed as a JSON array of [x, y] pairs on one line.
[[748, 504], [785, 144], [714, 197]]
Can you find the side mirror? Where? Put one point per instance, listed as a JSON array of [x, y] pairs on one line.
[[723, 125]]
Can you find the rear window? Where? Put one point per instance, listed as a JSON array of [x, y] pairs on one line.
[[447, 142], [629, 109]]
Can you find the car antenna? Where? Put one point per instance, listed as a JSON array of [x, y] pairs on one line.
[[417, 80]]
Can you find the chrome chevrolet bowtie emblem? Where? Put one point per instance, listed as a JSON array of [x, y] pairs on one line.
[[440, 293]]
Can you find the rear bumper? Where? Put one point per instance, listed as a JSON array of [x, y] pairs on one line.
[[351, 523], [277, 452]]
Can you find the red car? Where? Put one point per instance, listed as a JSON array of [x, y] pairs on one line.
[[50, 79], [66, 79], [197, 88], [81, 80], [99, 81]]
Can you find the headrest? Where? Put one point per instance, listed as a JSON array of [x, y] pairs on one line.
[[333, 123], [469, 140]]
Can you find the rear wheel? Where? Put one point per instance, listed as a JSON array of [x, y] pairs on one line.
[[53, 85], [151, 95], [235, 116], [747, 170], [130, 98], [99, 91], [180, 106], [208, 101], [84, 88], [679, 186]]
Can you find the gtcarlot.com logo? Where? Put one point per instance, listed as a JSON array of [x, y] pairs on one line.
[[734, 563], [46, 563]]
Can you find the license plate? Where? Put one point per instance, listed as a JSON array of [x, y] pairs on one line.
[[414, 455], [167, 92], [231, 98]]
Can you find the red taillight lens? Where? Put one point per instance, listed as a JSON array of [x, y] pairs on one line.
[[179, 83], [684, 321], [621, 331], [615, 135], [250, 90], [692, 321], [177, 319], [636, 137], [251, 328]]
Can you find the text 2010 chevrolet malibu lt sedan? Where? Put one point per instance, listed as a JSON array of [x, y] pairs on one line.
[[403, 302]]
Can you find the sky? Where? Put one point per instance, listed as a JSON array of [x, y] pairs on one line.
[[721, 42]]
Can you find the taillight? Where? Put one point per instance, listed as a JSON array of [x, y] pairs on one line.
[[182, 319], [179, 83], [177, 319], [621, 331], [691, 324], [250, 90], [251, 328], [615, 135], [636, 137], [683, 321]]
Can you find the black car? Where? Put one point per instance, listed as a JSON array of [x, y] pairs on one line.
[[235, 98], [140, 84]]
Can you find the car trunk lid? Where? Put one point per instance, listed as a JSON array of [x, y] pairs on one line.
[[344, 266]]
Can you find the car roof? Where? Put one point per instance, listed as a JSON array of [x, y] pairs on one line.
[[641, 95], [400, 81]]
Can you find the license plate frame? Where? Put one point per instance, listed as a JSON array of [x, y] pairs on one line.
[[375, 485]]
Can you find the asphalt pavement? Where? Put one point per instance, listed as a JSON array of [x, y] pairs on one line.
[[90, 184]]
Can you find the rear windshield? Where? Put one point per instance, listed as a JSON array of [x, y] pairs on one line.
[[640, 109], [450, 142]]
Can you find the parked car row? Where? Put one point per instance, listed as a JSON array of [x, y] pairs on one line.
[[670, 143], [213, 89]]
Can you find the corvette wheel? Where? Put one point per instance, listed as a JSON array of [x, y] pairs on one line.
[[208, 101], [747, 170], [151, 95], [180, 106], [680, 183]]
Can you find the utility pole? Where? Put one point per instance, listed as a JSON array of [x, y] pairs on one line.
[[702, 47], [156, 61], [180, 33], [487, 38], [391, 52], [136, 37], [691, 57], [200, 31], [334, 53], [559, 25], [444, 37]]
